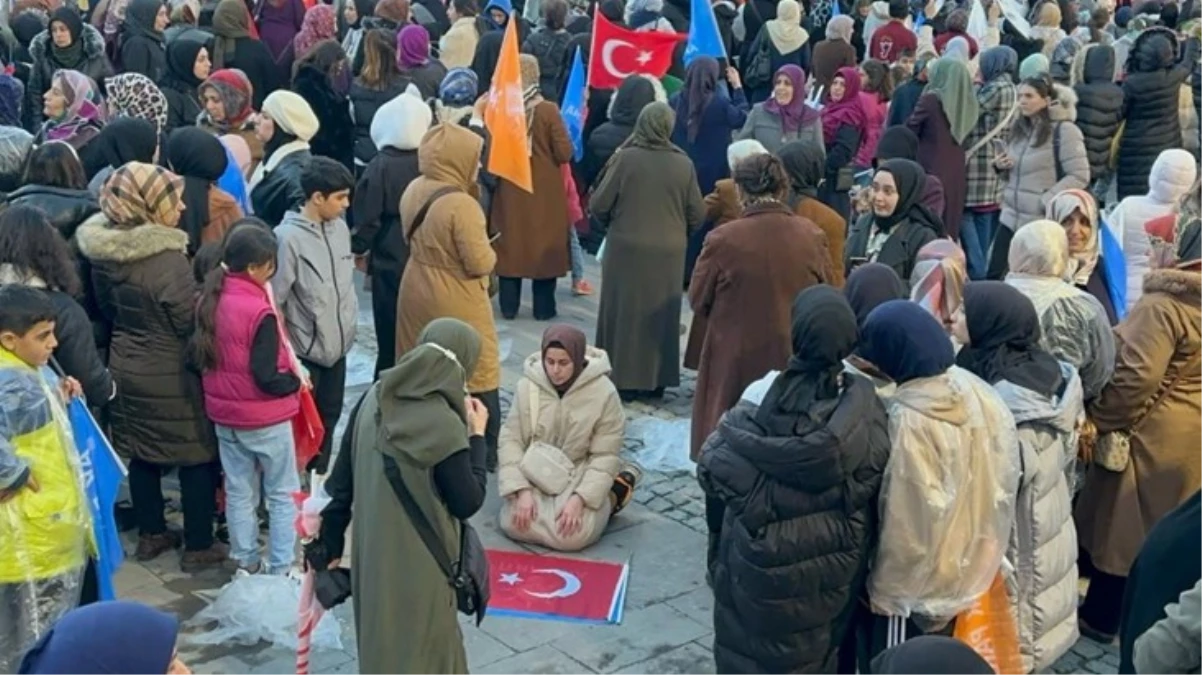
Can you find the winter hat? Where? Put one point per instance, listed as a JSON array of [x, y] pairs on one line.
[[401, 122], [1123, 16], [1172, 175], [1033, 66], [292, 114], [459, 88], [118, 636]]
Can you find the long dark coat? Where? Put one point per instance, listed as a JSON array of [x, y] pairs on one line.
[[746, 278], [647, 201], [534, 226], [942, 156], [144, 287]]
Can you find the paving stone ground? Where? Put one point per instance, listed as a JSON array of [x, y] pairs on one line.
[[667, 626]]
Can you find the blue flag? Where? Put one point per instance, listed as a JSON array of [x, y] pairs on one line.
[[102, 473], [573, 107], [704, 38], [919, 20]]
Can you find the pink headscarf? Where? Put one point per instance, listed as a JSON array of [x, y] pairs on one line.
[[937, 282], [847, 110], [319, 24], [412, 47]]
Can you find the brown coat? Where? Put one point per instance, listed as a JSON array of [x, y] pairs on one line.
[[450, 258], [746, 278], [223, 212], [534, 226], [833, 226], [721, 206], [829, 56], [1158, 338]]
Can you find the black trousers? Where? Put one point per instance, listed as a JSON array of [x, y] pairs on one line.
[[329, 386], [492, 431], [198, 494], [89, 591], [510, 297], [715, 511], [385, 287], [1103, 605], [999, 254]]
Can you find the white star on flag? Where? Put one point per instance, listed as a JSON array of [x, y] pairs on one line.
[[643, 58], [511, 579]]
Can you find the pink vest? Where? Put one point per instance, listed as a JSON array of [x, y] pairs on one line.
[[232, 398]]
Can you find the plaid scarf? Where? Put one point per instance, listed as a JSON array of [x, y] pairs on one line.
[[138, 193]]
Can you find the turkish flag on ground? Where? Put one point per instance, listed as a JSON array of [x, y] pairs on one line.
[[551, 587], [505, 117], [618, 53]]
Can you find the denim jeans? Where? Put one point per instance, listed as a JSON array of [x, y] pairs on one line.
[[976, 236], [244, 454], [577, 255]]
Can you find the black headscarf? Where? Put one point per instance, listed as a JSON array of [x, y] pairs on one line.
[[823, 334], [911, 181], [121, 141], [700, 82], [1003, 332], [932, 655], [805, 163], [484, 61], [71, 55], [634, 94], [27, 25], [140, 17], [905, 342], [181, 61], [199, 158], [896, 142], [871, 285]]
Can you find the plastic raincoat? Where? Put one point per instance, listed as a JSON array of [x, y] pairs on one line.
[[44, 535], [947, 500]]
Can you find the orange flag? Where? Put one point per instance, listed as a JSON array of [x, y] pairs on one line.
[[505, 117]]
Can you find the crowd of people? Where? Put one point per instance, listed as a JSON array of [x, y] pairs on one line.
[[944, 262]]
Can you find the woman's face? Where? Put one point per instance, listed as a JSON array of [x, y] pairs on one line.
[[960, 326], [1029, 101], [213, 104], [162, 19], [350, 14], [202, 66], [264, 128], [558, 364], [173, 218], [884, 194], [1078, 230], [60, 34], [838, 88], [782, 90], [54, 102]]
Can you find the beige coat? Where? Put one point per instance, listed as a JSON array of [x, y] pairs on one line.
[[1116, 511], [587, 424], [458, 46], [450, 258]]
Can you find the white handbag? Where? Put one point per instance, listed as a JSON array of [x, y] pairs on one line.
[[543, 464]]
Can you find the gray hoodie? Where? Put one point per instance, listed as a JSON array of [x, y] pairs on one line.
[[314, 287]]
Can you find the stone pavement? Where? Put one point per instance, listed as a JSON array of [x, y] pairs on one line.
[[667, 626]]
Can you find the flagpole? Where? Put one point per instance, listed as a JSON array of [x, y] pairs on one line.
[[592, 44]]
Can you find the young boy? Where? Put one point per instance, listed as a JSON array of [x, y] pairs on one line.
[[890, 40], [44, 519], [315, 290]]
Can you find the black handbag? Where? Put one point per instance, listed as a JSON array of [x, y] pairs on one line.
[[468, 575]]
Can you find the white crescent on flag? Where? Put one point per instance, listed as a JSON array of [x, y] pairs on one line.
[[607, 57], [571, 585]]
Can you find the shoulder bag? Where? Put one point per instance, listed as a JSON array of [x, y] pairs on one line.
[[1113, 450], [992, 133], [543, 464], [420, 218]]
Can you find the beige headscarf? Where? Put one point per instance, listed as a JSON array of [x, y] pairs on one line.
[[1061, 206], [531, 95], [137, 194], [785, 30]]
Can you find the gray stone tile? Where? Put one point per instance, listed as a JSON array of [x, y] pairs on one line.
[[545, 659], [689, 658], [131, 576], [666, 558], [521, 635], [482, 649], [643, 634], [698, 605]]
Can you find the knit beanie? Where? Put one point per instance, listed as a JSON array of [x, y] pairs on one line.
[[459, 88], [292, 114]]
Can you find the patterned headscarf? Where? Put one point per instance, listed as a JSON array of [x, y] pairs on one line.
[[319, 24], [134, 95], [459, 87], [139, 193], [1060, 207], [937, 282], [84, 105], [236, 93]]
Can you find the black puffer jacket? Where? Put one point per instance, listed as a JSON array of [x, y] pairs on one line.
[[550, 47], [800, 525], [279, 191], [1099, 106], [1151, 91], [632, 96], [66, 208], [335, 136]]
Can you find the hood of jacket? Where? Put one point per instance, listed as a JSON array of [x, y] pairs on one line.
[[93, 44], [1060, 412], [597, 367], [1183, 285], [1097, 64], [943, 397], [100, 242], [1064, 109], [1172, 174], [632, 96], [1154, 49], [401, 122], [812, 461], [451, 154]]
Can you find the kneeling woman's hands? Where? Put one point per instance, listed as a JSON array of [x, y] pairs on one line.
[[569, 521], [525, 510]]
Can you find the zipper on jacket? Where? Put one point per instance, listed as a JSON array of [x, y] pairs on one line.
[[337, 293]]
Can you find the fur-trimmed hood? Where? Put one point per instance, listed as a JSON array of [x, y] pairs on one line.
[[1183, 285], [1064, 108], [99, 241], [93, 45]]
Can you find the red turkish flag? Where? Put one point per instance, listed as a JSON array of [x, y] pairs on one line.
[[618, 53], [544, 586]]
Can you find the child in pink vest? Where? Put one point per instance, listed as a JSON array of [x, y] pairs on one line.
[[251, 395]]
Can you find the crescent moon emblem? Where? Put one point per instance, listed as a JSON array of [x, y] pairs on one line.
[[607, 57], [571, 585]]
